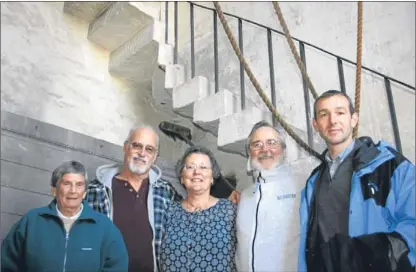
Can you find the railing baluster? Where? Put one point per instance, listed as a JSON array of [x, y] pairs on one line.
[[175, 56], [341, 75], [340, 62], [306, 96], [192, 41], [271, 66], [241, 45], [216, 53], [393, 115], [310, 45], [166, 22]]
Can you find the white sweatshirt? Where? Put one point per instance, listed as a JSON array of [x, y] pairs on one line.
[[268, 222]]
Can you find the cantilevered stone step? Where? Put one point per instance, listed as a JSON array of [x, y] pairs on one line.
[[174, 76], [234, 129], [119, 23], [160, 94], [87, 11], [165, 55], [185, 95], [209, 110], [163, 82], [136, 58]]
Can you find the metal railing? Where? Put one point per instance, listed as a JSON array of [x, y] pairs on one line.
[[302, 44]]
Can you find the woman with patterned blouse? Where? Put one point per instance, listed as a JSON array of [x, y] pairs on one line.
[[200, 230]]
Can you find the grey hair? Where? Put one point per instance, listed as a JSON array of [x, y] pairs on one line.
[[70, 167], [140, 126], [280, 132], [216, 170]]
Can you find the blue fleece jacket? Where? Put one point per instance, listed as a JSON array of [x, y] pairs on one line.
[[38, 242]]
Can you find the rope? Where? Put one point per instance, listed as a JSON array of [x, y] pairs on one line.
[[358, 70], [256, 84], [293, 49]]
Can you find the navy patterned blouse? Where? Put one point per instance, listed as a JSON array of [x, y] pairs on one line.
[[199, 241]]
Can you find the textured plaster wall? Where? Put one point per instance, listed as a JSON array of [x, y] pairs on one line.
[[51, 72], [388, 47]]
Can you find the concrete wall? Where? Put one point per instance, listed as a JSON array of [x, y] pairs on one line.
[[52, 73], [30, 151], [388, 47]]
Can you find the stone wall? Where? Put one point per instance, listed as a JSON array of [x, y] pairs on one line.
[[388, 47], [52, 73]]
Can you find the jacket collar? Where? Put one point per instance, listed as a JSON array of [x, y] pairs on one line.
[[106, 173], [86, 214], [280, 173], [343, 154], [363, 152]]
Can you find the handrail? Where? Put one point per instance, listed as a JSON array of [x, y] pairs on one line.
[[308, 44], [238, 48], [258, 88]]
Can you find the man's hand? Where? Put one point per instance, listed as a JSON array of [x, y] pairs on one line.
[[235, 197]]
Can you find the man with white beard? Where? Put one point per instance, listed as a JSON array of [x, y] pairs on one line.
[[135, 197], [268, 212]]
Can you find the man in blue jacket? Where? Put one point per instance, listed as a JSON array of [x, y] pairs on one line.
[[357, 210]]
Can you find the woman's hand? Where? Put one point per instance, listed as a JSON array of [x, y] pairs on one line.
[[235, 197]]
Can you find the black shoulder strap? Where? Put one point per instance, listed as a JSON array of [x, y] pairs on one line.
[[377, 184]]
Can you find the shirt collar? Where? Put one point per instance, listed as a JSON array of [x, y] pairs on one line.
[[69, 217], [342, 155]]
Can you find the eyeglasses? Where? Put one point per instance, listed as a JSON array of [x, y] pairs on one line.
[[139, 147], [270, 144], [193, 167]]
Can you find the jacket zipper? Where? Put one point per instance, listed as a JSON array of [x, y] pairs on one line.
[[66, 246], [255, 230]]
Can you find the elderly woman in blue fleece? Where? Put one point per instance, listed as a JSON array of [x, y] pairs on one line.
[[200, 230], [66, 235]]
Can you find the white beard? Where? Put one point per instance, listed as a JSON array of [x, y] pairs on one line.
[[138, 169], [256, 166]]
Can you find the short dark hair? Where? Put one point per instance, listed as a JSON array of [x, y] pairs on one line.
[[70, 167], [216, 170], [329, 94]]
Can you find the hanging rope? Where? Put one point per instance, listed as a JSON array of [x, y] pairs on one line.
[[256, 84], [358, 71], [293, 49]]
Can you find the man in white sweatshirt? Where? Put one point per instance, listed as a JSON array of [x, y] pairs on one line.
[[268, 212]]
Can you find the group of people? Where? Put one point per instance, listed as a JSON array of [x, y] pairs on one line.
[[356, 211]]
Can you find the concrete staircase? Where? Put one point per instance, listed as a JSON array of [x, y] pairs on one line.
[[134, 34]]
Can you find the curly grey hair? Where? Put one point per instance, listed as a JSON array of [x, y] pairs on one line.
[[280, 132], [70, 167], [216, 170]]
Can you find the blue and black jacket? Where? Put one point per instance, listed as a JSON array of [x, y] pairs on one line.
[[381, 216]]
